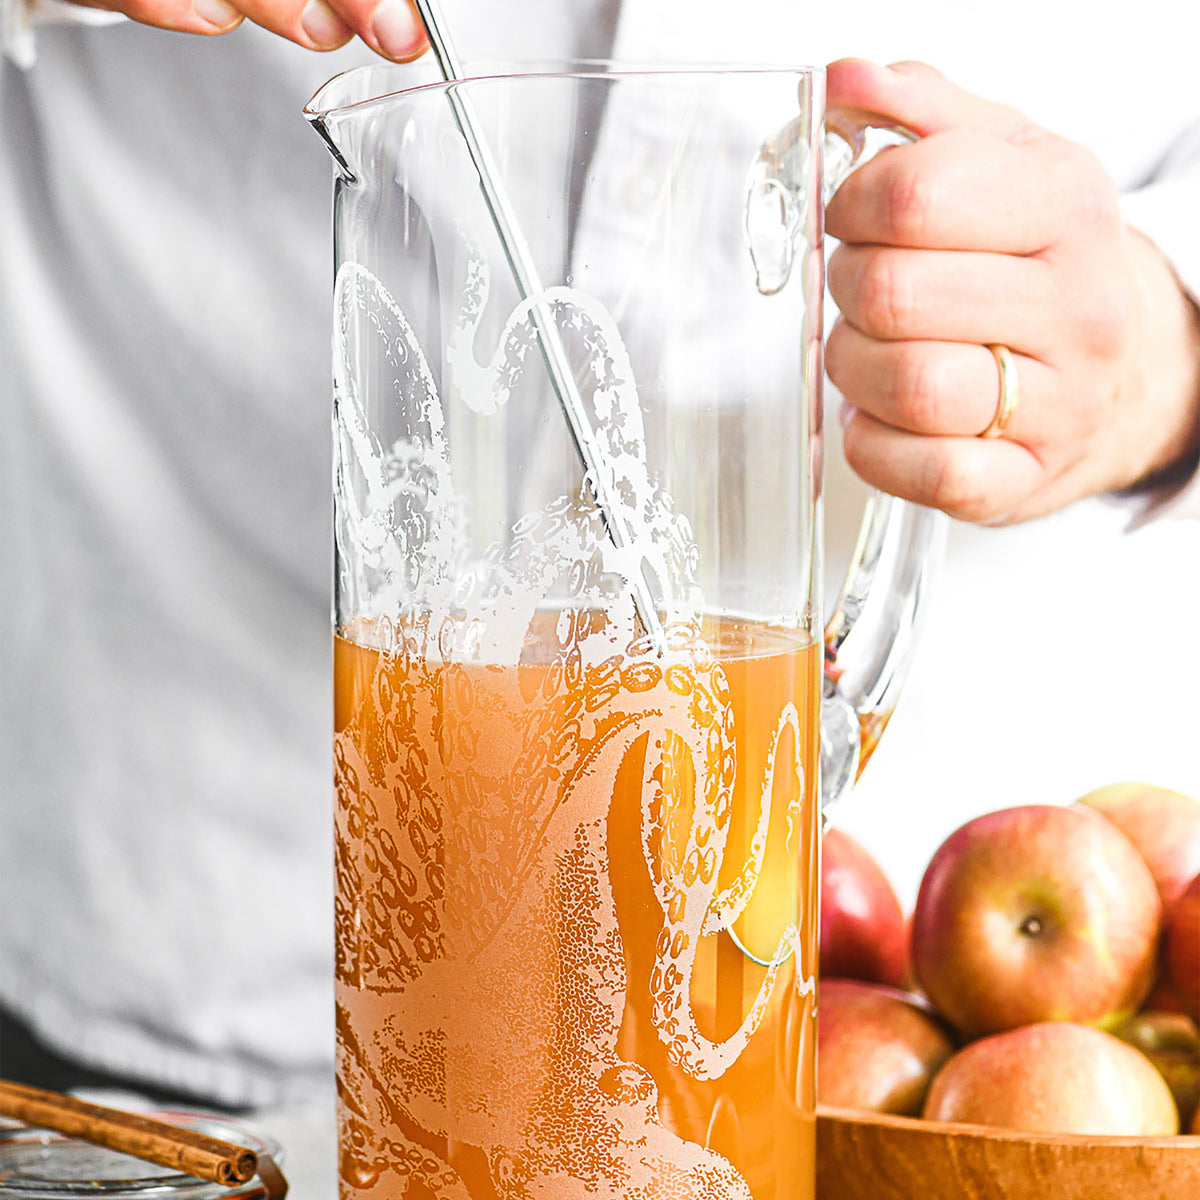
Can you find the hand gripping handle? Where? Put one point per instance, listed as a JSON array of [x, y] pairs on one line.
[[870, 635]]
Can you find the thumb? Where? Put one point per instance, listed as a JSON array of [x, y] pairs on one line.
[[920, 98]]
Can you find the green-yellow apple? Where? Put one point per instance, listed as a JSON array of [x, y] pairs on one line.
[[1170, 1041], [877, 1047], [1181, 948], [1036, 913], [1054, 1077], [1162, 824], [863, 931]]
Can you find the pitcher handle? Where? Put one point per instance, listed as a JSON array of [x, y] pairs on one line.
[[870, 635]]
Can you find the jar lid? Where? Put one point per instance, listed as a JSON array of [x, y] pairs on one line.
[[36, 1164]]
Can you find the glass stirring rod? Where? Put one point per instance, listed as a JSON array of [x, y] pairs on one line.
[[529, 285]]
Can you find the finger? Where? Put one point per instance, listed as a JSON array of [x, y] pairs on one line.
[[956, 190], [920, 98], [183, 16], [894, 294], [390, 27], [938, 388], [989, 481], [321, 26]]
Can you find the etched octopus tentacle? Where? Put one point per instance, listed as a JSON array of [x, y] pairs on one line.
[[406, 516], [657, 538], [400, 888], [401, 533], [729, 904], [686, 887], [486, 386], [367, 1157]]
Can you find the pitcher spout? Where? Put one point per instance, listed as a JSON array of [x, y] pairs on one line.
[[340, 108], [321, 124]]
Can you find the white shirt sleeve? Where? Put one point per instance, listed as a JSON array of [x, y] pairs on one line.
[[1165, 209], [18, 18]]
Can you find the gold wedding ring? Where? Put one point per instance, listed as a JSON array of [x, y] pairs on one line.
[[1010, 391]]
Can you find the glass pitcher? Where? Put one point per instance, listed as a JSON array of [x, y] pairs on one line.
[[587, 712]]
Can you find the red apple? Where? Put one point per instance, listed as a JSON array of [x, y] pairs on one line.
[[1162, 824], [863, 931], [877, 1047], [1181, 948], [1170, 1041], [1054, 1077], [1035, 913], [1161, 997]]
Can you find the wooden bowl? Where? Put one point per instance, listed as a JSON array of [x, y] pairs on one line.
[[869, 1156]]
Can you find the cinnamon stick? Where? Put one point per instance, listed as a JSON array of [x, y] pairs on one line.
[[168, 1145]]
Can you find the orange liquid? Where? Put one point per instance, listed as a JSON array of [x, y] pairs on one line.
[[576, 922]]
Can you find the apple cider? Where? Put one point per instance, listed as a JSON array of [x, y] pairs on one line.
[[576, 918]]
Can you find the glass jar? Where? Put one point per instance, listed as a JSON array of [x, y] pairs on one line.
[[36, 1164]]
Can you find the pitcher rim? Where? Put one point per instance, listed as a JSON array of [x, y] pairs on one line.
[[584, 68]]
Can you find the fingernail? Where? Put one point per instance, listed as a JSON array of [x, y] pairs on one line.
[[397, 30], [846, 413], [322, 25], [217, 13]]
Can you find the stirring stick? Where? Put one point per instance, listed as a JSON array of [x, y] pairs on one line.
[[525, 275], [142, 1137]]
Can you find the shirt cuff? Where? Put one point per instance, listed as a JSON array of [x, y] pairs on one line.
[[1178, 501], [18, 18], [1165, 212]]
